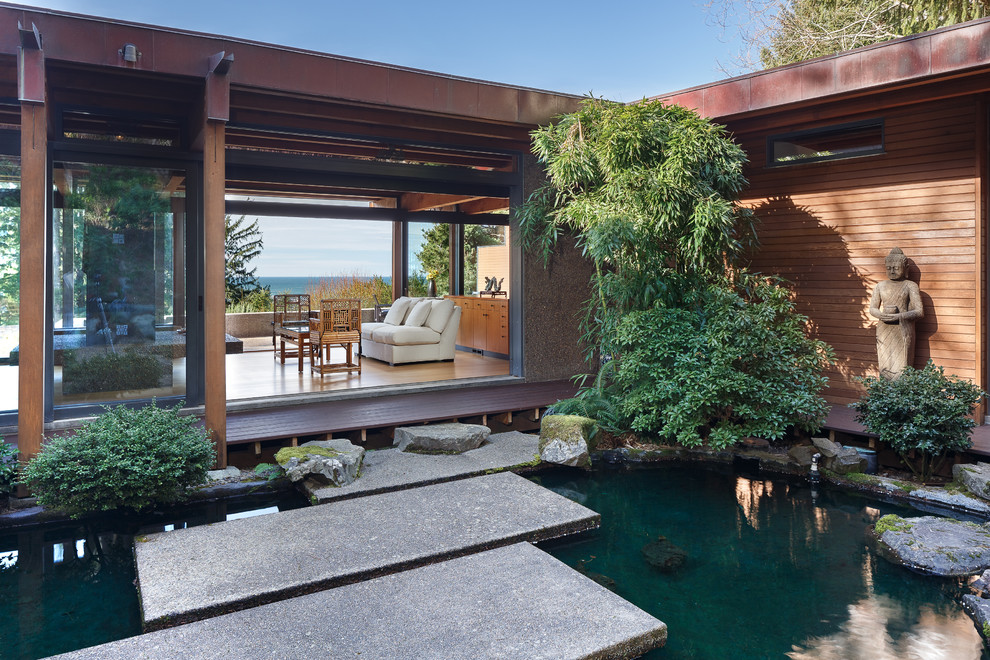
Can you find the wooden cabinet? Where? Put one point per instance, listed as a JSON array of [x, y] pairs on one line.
[[484, 324]]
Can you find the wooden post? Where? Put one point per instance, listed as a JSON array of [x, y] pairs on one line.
[[216, 105], [980, 221], [214, 298], [34, 201]]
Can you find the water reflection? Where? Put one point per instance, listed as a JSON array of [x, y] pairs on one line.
[[69, 585], [865, 636], [774, 568]]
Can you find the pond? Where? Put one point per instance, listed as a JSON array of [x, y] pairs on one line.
[[65, 586], [771, 568]]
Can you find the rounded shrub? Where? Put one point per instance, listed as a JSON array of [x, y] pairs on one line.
[[124, 459], [923, 411], [8, 467]]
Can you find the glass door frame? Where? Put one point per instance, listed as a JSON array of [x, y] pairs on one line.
[[145, 157]]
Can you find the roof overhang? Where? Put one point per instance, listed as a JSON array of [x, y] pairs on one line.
[[954, 60]]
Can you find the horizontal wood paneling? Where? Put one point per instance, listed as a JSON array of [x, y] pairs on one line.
[[827, 227]]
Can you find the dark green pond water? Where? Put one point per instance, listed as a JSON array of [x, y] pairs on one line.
[[772, 570], [69, 586]]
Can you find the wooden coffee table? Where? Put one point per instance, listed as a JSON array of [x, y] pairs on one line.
[[294, 333]]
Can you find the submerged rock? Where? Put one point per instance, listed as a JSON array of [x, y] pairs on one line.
[[604, 580], [322, 462], [566, 440], [975, 476], [934, 545], [664, 555], [449, 438]]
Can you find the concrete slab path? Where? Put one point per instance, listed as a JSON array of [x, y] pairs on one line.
[[389, 469], [511, 602], [193, 573]]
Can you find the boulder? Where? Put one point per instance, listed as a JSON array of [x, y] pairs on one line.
[[322, 462], [451, 438], [567, 440], [975, 476], [934, 545], [839, 459], [664, 555], [826, 447], [848, 460], [801, 454]]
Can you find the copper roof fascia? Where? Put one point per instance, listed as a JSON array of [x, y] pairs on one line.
[[956, 51], [96, 41]]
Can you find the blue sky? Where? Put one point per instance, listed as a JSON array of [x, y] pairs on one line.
[[622, 50]]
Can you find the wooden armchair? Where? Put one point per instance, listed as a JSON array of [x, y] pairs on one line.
[[290, 319], [339, 324]]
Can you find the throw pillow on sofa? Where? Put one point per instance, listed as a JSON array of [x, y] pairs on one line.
[[440, 314], [419, 314], [397, 312]]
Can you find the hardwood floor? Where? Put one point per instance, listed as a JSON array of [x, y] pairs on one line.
[[256, 374]]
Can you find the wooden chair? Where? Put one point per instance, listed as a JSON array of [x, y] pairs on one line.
[[290, 319], [339, 324]]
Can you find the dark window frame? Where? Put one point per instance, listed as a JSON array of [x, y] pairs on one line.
[[824, 132]]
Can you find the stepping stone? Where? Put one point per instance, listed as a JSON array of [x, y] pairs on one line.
[[194, 573], [448, 438], [934, 545], [389, 469], [511, 602]]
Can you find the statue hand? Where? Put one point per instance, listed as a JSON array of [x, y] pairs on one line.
[[889, 318]]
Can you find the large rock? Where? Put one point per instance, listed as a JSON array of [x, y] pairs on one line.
[[567, 440], [452, 438], [975, 476], [322, 462], [826, 447], [801, 454], [839, 459], [934, 545]]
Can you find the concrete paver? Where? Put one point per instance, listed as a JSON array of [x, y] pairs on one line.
[[510, 602], [388, 469], [192, 573]]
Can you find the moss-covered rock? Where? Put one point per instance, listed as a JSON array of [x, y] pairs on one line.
[[324, 462], [567, 439]]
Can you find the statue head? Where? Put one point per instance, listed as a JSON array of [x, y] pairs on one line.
[[896, 264]]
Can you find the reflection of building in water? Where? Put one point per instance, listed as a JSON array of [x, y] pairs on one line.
[[749, 493], [864, 635]]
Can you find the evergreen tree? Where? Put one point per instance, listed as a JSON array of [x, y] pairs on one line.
[[434, 254], [778, 32], [242, 244]]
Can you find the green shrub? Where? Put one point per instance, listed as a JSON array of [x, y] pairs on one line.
[[128, 369], [125, 458], [724, 362], [923, 410], [8, 467]]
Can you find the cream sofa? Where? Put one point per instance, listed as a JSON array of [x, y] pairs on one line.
[[414, 330]]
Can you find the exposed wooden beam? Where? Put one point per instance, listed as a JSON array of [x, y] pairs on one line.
[[484, 205], [422, 202]]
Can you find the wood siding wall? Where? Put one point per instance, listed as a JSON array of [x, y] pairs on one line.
[[828, 226]]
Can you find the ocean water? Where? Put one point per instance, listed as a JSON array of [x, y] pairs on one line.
[[295, 284]]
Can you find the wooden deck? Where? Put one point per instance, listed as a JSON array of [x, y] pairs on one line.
[[842, 419], [390, 410]]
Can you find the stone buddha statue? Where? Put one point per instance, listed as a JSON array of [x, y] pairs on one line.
[[896, 304]]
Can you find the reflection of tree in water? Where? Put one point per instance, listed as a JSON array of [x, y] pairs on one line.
[[866, 635]]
